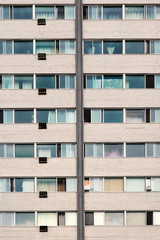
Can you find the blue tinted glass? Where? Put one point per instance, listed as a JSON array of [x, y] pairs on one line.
[[61, 116], [97, 47], [134, 47], [24, 116], [22, 12], [46, 116], [87, 47], [44, 150], [8, 47], [135, 150], [1, 150], [112, 13], [45, 12], [67, 82], [71, 82], [23, 82], [134, 81], [6, 13], [47, 47], [24, 150], [113, 116], [45, 81], [113, 81], [25, 219], [112, 47], [23, 47], [1, 47]]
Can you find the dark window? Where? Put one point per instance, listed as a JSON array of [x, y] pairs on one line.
[[1, 116], [60, 12], [61, 218], [23, 47], [149, 218], [44, 81], [24, 150], [0, 82], [61, 184], [135, 150], [22, 13], [150, 81], [112, 47], [113, 116], [24, 116], [87, 116], [147, 115], [134, 47], [89, 218], [58, 150], [85, 12]]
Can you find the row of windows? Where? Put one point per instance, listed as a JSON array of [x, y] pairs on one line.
[[38, 219], [48, 47], [121, 47], [122, 150], [41, 115], [40, 81], [118, 12], [122, 184], [122, 116], [39, 184], [27, 12], [42, 150], [121, 81], [119, 218]]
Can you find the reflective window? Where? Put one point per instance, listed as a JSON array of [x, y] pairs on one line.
[[23, 82], [135, 150], [67, 47], [94, 12], [157, 81], [67, 81], [48, 184], [68, 150], [5, 47], [25, 219], [113, 81], [112, 13], [47, 219], [133, 81], [46, 150], [22, 12], [114, 219], [24, 185], [93, 150], [96, 116], [153, 12], [93, 82], [113, 150], [24, 150], [8, 116], [69, 12], [6, 219], [112, 47], [4, 185], [153, 149], [134, 47], [24, 116], [113, 184], [113, 116], [136, 12], [45, 81], [6, 150], [7, 82], [47, 47], [155, 47], [92, 47], [135, 218], [6, 12], [155, 115], [23, 47], [135, 116], [65, 116], [46, 116], [45, 12], [135, 184]]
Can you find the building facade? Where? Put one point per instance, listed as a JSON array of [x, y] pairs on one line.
[[80, 119]]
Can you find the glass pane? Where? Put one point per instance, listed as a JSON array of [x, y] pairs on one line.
[[6, 11], [25, 219], [113, 150], [69, 12], [97, 47], [22, 12], [1, 47], [98, 150], [71, 219], [70, 116], [133, 81], [157, 81], [1, 12], [24, 150], [112, 47], [96, 116], [71, 184], [7, 82], [67, 47], [88, 47], [113, 81], [155, 184], [155, 47], [8, 47], [88, 150], [24, 185], [135, 150], [25, 47], [4, 185], [48, 185], [60, 12], [155, 115], [134, 12], [113, 184], [68, 150], [112, 13], [113, 116], [135, 184], [135, 116], [24, 116], [89, 218], [99, 218], [45, 12], [94, 82], [134, 47], [8, 116], [47, 47], [47, 219], [96, 184], [44, 81], [136, 218], [61, 116], [9, 150], [157, 150], [44, 150], [95, 13], [6, 219], [46, 116], [23, 82], [156, 218], [113, 219], [150, 12], [67, 81]]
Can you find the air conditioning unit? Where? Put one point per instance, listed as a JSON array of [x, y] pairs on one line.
[[41, 56], [43, 228], [148, 185], [41, 21], [42, 159], [42, 194], [42, 91], [42, 125]]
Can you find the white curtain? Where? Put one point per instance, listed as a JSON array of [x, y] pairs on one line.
[[48, 185], [71, 185], [135, 184], [68, 150], [155, 115], [45, 12], [70, 116], [99, 218], [96, 116], [8, 116], [156, 218], [6, 219], [155, 184], [155, 47], [7, 82], [69, 12], [27, 85], [47, 219], [51, 117], [67, 46], [71, 219], [28, 185], [4, 184], [44, 152], [134, 13]]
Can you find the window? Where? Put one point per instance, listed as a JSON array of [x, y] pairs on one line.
[[71, 219], [24, 150], [22, 12], [113, 81], [47, 47], [25, 219], [112, 13], [135, 150], [5, 47], [61, 185], [134, 81], [153, 12], [71, 184], [61, 218], [135, 116], [113, 184], [93, 82], [112, 47], [93, 150], [134, 47], [46, 116], [155, 115], [24, 185], [60, 12], [24, 116], [66, 82], [6, 150], [45, 12], [65, 116], [135, 218], [153, 149], [99, 218], [23, 47], [113, 150], [155, 47], [93, 116], [45, 150], [44, 81], [96, 184], [89, 218], [92, 47], [135, 184], [47, 219], [47, 184], [134, 12], [157, 81], [7, 82], [155, 184], [23, 82], [67, 47], [5, 12], [69, 12], [6, 219], [94, 12], [68, 150], [113, 116], [114, 219], [4, 185], [8, 116], [156, 218]]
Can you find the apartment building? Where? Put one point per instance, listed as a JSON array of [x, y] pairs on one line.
[[80, 119]]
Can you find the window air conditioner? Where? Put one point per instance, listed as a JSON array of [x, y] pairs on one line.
[[42, 159], [41, 56], [42, 125], [42, 91], [42, 194], [43, 228], [41, 21]]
